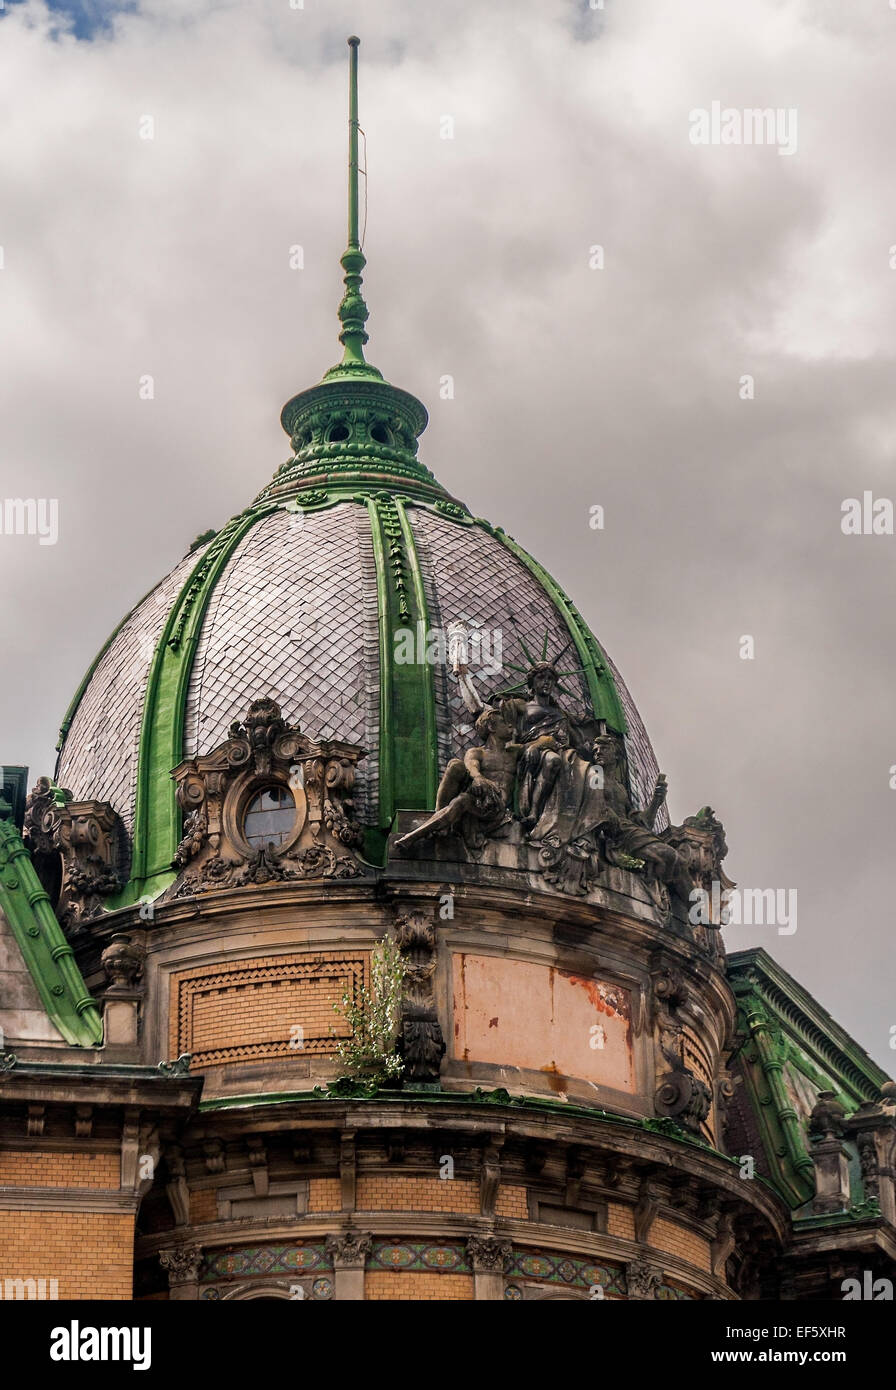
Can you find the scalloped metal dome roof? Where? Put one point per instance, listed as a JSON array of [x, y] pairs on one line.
[[300, 598]]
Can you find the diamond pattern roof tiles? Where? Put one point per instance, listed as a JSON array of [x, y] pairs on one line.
[[99, 756], [290, 619]]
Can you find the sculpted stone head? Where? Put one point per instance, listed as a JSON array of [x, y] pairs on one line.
[[542, 680]]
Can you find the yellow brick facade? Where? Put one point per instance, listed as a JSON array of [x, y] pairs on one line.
[[91, 1254], [203, 1207], [417, 1285], [390, 1192], [620, 1221], [101, 1170], [676, 1240], [513, 1202], [324, 1194]]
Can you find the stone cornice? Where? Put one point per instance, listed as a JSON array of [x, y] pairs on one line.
[[61, 1199], [758, 973]]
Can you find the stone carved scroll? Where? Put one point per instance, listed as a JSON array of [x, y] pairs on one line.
[[78, 848]]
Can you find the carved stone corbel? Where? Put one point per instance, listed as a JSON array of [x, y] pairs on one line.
[[646, 1210], [213, 1151], [258, 1164], [575, 1172], [723, 1244], [348, 1170], [490, 1175], [176, 1187]]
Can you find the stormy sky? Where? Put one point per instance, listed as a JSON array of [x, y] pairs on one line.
[[574, 386]]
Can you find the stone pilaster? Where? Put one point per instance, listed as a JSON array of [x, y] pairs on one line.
[[488, 1255], [349, 1253], [182, 1264]]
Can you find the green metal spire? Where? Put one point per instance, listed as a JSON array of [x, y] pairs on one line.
[[353, 312]]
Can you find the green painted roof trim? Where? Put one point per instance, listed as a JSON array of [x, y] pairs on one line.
[[408, 775], [853, 1073], [157, 821], [785, 1142], [430, 751], [601, 687], [605, 699], [47, 954]]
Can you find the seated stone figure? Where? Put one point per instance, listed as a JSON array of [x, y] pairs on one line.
[[545, 732], [632, 831], [476, 792]]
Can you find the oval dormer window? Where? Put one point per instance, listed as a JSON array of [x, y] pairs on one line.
[[271, 817]]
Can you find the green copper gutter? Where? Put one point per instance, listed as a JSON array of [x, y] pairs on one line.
[[157, 825], [47, 954]]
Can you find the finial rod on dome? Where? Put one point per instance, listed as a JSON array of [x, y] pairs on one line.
[[353, 310]]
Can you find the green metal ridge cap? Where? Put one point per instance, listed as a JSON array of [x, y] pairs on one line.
[[47, 954]]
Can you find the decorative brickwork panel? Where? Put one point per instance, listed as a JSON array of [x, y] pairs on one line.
[[60, 1170], [380, 1286], [264, 1260], [90, 1254], [677, 1240], [546, 1267], [254, 1009], [389, 1192], [441, 1258]]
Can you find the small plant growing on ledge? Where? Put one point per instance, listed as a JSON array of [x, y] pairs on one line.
[[373, 1016]]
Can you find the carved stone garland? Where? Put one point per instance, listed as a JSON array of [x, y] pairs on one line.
[[680, 1095], [420, 1040]]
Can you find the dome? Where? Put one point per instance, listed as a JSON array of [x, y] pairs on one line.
[[289, 602], [354, 592]]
